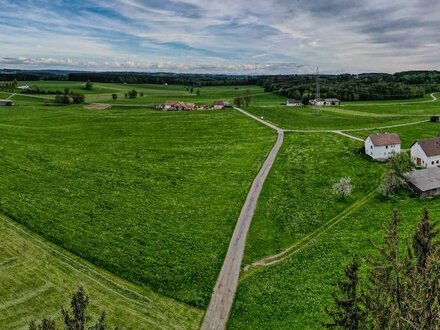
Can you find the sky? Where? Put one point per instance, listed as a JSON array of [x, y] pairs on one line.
[[224, 36]]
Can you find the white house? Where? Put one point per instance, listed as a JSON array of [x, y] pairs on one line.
[[23, 87], [219, 105], [294, 103], [330, 101], [382, 146], [170, 104], [426, 153]]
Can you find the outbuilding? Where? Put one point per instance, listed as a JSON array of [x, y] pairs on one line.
[[435, 119], [382, 146], [426, 182], [426, 153], [6, 102], [294, 103], [219, 105], [327, 102]]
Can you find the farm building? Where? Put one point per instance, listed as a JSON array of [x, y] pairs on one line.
[[294, 103], [23, 87], [330, 101], [169, 104], [219, 105], [382, 146], [435, 119], [426, 182], [178, 105], [6, 102], [426, 153]]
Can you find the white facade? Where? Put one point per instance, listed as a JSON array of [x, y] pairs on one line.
[[218, 106], [381, 152], [420, 158]]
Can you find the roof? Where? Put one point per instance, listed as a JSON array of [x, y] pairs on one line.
[[5, 101], [332, 100], [219, 103], [294, 101], [426, 179], [171, 102], [386, 139], [430, 147]]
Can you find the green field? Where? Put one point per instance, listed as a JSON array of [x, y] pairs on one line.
[[132, 191], [139, 205], [38, 277]]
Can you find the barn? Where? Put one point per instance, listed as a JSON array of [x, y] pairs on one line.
[[426, 182], [426, 153], [6, 102]]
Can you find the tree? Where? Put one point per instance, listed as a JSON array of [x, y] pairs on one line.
[[66, 90], [247, 97], [238, 101], [198, 92], [423, 239], [398, 166], [132, 94], [343, 188], [141, 94], [78, 304], [46, 324], [191, 90], [348, 313], [89, 85], [114, 96]]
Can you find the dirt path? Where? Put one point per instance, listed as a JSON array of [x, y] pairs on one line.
[[348, 135], [299, 245], [219, 308]]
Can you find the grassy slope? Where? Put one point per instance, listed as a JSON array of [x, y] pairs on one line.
[[37, 278], [294, 293], [408, 134], [297, 197], [310, 118], [150, 196]]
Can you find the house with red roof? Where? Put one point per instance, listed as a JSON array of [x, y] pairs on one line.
[[426, 153], [382, 146]]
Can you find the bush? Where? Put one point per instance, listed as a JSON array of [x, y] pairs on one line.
[[114, 96]]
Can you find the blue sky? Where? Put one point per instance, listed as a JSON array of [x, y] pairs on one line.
[[227, 36]]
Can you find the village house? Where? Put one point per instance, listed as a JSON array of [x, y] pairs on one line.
[[23, 87], [219, 105], [426, 182], [382, 146], [326, 102], [178, 105], [6, 102], [294, 103], [435, 119], [169, 104], [426, 153]]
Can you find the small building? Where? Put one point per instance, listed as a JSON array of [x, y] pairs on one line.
[[435, 119], [294, 103], [426, 182], [382, 146], [219, 105], [426, 153], [23, 87], [170, 104], [6, 102], [326, 102]]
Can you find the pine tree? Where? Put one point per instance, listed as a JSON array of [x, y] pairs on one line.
[[347, 313], [46, 324], [423, 243], [78, 304]]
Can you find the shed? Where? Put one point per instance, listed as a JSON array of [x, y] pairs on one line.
[[426, 182], [6, 102], [435, 119], [294, 103]]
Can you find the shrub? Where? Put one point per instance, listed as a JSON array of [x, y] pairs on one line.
[[343, 188]]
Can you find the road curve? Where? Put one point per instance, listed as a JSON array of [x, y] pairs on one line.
[[219, 308]]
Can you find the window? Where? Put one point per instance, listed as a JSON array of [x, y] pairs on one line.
[[386, 147], [432, 163]]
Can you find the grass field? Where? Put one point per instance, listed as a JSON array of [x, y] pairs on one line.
[[133, 191], [297, 197], [153, 197], [309, 118], [38, 277]]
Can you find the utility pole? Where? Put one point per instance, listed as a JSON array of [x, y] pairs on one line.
[[318, 87]]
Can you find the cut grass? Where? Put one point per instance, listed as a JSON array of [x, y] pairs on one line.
[[38, 277], [150, 196]]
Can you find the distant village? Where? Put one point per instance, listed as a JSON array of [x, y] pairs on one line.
[[424, 154]]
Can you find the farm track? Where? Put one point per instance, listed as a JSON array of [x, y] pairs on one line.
[[220, 305], [303, 242]]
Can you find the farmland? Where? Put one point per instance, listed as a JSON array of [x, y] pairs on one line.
[[149, 199]]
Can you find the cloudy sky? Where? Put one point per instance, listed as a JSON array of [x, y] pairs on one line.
[[226, 36]]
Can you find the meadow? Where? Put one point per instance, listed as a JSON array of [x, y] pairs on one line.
[[149, 199], [132, 191], [38, 277]]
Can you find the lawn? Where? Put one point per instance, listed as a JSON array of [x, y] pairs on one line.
[[38, 277], [312, 118], [150, 196], [297, 196]]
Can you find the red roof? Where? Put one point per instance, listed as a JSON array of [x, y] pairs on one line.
[[430, 147], [386, 139], [219, 103], [171, 102]]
